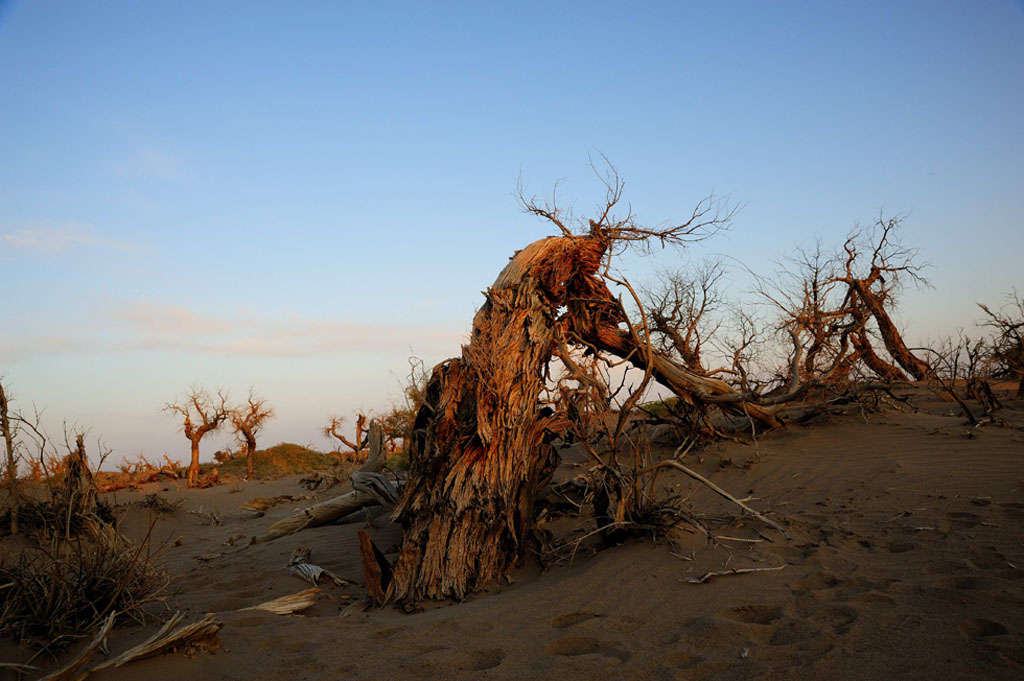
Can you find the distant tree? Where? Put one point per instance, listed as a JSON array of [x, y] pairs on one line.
[[839, 308], [201, 413], [333, 429], [11, 472], [1008, 344], [247, 420], [397, 423]]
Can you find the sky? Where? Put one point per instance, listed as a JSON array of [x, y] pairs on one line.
[[296, 197]]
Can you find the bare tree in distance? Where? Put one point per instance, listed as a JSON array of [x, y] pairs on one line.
[[11, 463], [838, 308], [247, 420], [201, 413], [682, 311], [1008, 344], [333, 429]]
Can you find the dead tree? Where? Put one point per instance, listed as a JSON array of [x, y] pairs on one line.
[[681, 312], [201, 413], [481, 445], [333, 429], [835, 306], [871, 294], [11, 467], [1008, 344], [247, 420], [78, 491]]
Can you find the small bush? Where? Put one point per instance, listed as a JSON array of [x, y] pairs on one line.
[[62, 588]]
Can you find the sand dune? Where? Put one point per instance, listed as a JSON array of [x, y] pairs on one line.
[[906, 560]]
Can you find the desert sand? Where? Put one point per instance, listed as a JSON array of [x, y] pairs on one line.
[[905, 561]]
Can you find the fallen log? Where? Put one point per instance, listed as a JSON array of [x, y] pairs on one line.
[[334, 509]]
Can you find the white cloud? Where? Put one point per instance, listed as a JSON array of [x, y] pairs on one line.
[[140, 326], [60, 238], [150, 326]]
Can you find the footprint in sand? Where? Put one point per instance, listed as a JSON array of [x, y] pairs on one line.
[[839, 617], [440, 662], [479, 660], [901, 546], [816, 581], [968, 583], [572, 646], [987, 557], [753, 614], [388, 632], [566, 621], [794, 631], [978, 628]]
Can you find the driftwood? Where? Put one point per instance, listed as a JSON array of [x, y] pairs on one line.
[[169, 637], [259, 505], [73, 670], [300, 566], [333, 509], [376, 569], [314, 574], [288, 605]]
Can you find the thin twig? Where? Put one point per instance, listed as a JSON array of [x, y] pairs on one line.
[[732, 571], [701, 479]]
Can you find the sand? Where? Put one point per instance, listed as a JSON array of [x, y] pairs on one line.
[[906, 561]]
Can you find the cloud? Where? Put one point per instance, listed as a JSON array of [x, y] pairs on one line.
[[173, 328], [61, 238], [163, 320], [140, 326]]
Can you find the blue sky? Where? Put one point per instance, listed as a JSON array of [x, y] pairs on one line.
[[295, 196]]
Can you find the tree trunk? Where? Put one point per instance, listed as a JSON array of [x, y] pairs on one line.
[[12, 468], [479, 448], [78, 489], [250, 455], [885, 371], [479, 454], [899, 351], [193, 467]]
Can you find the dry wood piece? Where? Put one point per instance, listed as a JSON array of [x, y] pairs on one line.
[[732, 571], [376, 569], [300, 554], [300, 566], [73, 670], [314, 574], [287, 605], [261, 504], [321, 514], [166, 639]]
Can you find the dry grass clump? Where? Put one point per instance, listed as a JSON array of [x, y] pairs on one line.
[[63, 587]]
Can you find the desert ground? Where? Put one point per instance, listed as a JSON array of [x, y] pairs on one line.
[[905, 560]]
